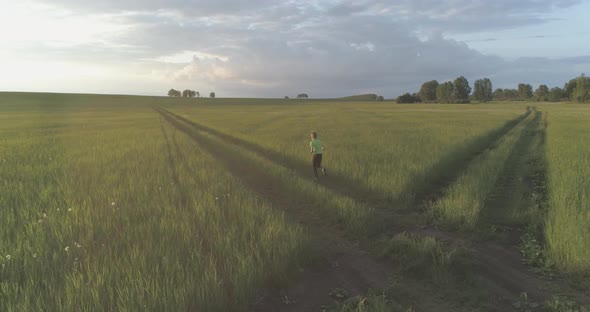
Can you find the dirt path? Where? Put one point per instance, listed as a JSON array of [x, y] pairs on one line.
[[498, 268], [502, 272], [342, 265], [435, 189]]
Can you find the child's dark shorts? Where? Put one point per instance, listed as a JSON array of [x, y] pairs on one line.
[[317, 160]]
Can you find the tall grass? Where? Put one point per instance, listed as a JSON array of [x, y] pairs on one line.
[[296, 193], [105, 208], [390, 150], [568, 157]]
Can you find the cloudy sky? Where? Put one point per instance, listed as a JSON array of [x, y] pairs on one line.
[[269, 48]]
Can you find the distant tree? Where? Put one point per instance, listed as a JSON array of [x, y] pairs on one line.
[[445, 92], [406, 98], [541, 93], [498, 94], [569, 87], [461, 90], [505, 95], [488, 88], [557, 94], [189, 93], [198, 94], [173, 92], [416, 97], [380, 98], [581, 93], [482, 90], [302, 96], [286, 97], [212, 95], [525, 91], [427, 92], [511, 94]]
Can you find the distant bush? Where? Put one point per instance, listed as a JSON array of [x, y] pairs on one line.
[[407, 98], [581, 93]]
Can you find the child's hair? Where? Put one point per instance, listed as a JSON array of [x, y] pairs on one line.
[[314, 134]]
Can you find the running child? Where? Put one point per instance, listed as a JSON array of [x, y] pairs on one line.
[[316, 149]]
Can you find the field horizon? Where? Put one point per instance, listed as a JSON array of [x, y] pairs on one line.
[[135, 202]]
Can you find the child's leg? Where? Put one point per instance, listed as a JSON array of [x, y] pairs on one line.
[[320, 166], [314, 162]]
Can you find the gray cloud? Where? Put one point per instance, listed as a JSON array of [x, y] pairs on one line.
[[324, 48]]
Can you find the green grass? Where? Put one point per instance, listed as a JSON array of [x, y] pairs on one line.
[[568, 158], [360, 97], [109, 205], [109, 208], [386, 150], [464, 201]]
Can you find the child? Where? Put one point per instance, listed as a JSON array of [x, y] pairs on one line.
[[316, 149]]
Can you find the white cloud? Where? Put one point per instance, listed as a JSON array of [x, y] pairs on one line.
[[32, 22], [262, 47], [189, 56]]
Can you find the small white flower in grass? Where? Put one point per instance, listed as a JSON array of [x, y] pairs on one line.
[[44, 215], [70, 209], [113, 203], [57, 209], [78, 245], [40, 221], [67, 248], [8, 257], [34, 255], [216, 198]]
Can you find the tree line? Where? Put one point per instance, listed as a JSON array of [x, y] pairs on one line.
[[187, 93], [459, 91]]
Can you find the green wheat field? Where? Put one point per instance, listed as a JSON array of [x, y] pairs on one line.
[[128, 203]]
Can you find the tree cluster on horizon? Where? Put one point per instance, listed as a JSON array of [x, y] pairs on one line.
[[187, 93], [459, 91]]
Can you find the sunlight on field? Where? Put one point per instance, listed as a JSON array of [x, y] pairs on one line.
[[152, 203], [390, 150], [113, 208]]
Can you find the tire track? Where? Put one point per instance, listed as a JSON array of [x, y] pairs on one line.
[[499, 269], [340, 184], [435, 190], [341, 263], [387, 206], [499, 208], [183, 200]]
